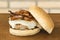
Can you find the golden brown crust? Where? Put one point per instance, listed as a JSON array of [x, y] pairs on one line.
[[43, 18], [24, 32]]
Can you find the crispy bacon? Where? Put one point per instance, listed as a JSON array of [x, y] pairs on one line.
[[22, 14]]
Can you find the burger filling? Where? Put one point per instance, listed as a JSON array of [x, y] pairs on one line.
[[22, 20]]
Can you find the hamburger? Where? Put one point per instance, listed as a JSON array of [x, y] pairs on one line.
[[30, 22]]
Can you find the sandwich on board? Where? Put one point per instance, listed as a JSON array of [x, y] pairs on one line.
[[30, 21]]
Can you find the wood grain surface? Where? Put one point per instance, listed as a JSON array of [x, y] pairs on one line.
[[5, 35]]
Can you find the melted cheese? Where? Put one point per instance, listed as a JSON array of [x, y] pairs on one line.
[[29, 24]]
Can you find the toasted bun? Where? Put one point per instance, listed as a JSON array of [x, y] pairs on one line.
[[24, 32], [43, 18]]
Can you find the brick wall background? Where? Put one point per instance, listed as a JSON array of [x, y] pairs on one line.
[[50, 6]]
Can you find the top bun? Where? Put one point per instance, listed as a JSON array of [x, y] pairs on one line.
[[42, 18]]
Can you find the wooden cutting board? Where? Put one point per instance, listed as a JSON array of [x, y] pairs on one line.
[[5, 35]]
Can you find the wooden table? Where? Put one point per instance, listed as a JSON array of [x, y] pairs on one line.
[[5, 35]]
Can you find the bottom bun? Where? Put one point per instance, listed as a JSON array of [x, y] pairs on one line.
[[24, 32]]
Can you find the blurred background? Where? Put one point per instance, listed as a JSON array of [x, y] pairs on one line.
[[50, 6]]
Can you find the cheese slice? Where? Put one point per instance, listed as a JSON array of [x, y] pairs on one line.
[[29, 24]]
